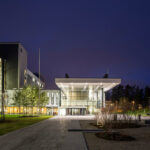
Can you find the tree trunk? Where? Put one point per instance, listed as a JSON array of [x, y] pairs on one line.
[[26, 110], [32, 110], [3, 91], [39, 110], [2, 108], [19, 109]]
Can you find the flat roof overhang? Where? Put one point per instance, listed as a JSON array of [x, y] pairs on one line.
[[105, 83]]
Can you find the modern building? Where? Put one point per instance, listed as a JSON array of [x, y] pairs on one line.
[[54, 101], [80, 96], [15, 57], [76, 96], [14, 73]]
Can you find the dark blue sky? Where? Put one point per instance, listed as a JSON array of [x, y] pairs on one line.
[[82, 38]]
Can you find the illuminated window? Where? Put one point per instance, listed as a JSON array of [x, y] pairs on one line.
[[33, 79], [52, 100], [48, 94], [90, 94], [25, 71], [77, 95], [62, 112], [25, 81]]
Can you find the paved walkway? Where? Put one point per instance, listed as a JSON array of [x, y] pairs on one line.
[[51, 134]]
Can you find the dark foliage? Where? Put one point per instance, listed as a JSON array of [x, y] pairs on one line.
[[147, 96], [139, 95], [66, 75], [106, 75]]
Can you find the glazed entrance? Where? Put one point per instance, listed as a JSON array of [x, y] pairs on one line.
[[75, 111]]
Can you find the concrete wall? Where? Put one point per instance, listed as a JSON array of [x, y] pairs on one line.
[[22, 65], [16, 62], [9, 52]]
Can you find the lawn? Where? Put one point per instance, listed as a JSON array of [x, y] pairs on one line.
[[143, 112], [14, 122]]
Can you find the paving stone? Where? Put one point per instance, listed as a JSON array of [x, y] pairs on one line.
[[49, 134]]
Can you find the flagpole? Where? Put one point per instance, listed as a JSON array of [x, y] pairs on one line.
[[39, 78]]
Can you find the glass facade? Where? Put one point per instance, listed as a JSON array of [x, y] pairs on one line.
[[32, 79], [82, 101], [54, 97], [81, 96], [54, 101]]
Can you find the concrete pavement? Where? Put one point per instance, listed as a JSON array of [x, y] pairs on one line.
[[51, 134]]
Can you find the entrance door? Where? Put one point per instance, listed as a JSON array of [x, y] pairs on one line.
[[76, 111]]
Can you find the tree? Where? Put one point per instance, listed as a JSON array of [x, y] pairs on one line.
[[125, 107], [66, 75], [43, 100], [18, 99], [33, 97], [129, 92], [2, 66], [26, 93], [117, 93], [138, 97], [106, 75], [146, 95], [28, 97]]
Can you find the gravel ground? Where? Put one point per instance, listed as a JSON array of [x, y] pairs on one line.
[[142, 136]]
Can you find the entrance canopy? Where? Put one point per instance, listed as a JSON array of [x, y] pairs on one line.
[[87, 83]]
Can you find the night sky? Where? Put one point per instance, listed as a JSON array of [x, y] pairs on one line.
[[82, 38]]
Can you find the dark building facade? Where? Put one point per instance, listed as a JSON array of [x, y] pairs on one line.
[[14, 73], [15, 57]]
